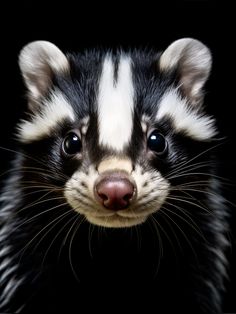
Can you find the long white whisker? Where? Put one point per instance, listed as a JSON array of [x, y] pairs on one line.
[[70, 245], [39, 214], [22, 154], [197, 174], [188, 202], [154, 224], [51, 222], [56, 236], [41, 201], [194, 226], [210, 193], [184, 163], [53, 226], [35, 170], [163, 215], [182, 232], [90, 233], [42, 189], [190, 167]]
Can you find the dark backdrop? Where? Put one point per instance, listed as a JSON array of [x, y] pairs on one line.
[[75, 27]]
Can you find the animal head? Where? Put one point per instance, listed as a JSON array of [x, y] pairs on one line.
[[109, 128]]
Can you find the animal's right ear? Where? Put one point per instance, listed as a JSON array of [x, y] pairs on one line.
[[38, 62]]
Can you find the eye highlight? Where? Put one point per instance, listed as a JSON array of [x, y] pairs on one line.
[[157, 142], [72, 144]]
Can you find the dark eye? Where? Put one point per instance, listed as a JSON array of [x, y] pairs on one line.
[[72, 144], [157, 143]]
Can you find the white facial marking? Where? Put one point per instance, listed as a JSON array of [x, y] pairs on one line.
[[52, 112], [84, 123], [115, 104], [144, 123], [197, 125], [115, 164]]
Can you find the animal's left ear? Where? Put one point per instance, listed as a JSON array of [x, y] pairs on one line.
[[192, 61]]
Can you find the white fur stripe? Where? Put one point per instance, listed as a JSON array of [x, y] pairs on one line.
[[51, 113], [186, 119], [115, 104]]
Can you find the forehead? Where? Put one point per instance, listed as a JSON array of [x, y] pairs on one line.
[[95, 72], [113, 84], [116, 90]]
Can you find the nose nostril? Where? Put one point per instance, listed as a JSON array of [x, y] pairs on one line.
[[104, 197], [128, 197]]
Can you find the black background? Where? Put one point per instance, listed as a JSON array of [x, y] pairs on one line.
[[75, 27]]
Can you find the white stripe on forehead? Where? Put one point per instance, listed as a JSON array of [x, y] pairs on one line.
[[52, 112], [197, 125], [115, 104]]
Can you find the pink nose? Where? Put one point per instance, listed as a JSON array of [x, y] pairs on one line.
[[114, 191]]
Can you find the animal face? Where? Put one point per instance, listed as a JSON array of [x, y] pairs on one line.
[[111, 129]]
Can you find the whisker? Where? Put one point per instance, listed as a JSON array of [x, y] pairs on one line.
[[182, 232], [43, 174], [70, 244], [191, 167], [50, 229], [188, 202], [198, 155], [41, 201], [194, 226], [155, 221], [190, 196], [159, 242], [22, 251], [32, 184], [161, 213], [90, 232], [212, 194], [41, 190], [59, 232], [35, 170], [39, 214], [197, 174], [190, 183], [22, 154], [66, 237], [139, 237]]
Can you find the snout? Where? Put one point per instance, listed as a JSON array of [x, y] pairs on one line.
[[115, 190], [115, 194]]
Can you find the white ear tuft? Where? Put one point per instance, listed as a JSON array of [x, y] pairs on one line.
[[192, 61], [38, 62]]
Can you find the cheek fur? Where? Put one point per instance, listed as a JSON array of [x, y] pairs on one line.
[[79, 190], [152, 189]]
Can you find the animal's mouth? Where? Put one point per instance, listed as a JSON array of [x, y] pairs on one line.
[[116, 220]]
